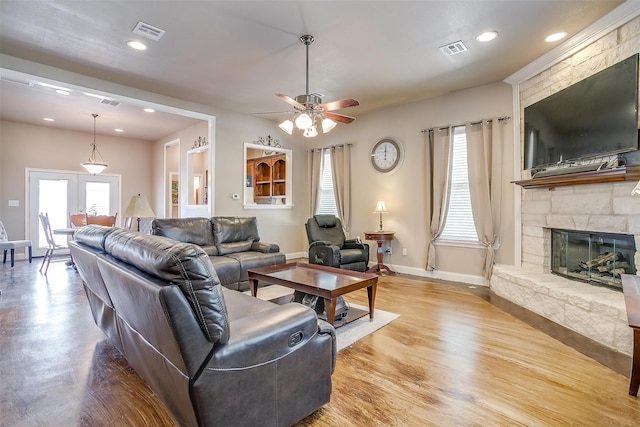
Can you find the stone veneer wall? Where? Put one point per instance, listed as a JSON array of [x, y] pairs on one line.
[[595, 312]]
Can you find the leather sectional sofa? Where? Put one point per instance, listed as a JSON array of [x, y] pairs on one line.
[[233, 243], [214, 356]]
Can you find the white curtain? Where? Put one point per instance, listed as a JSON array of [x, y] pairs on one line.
[[341, 173], [484, 160], [438, 177], [316, 157]]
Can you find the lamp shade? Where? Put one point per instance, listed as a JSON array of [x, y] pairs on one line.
[[380, 207], [139, 208], [287, 126], [636, 190], [327, 125], [303, 121]]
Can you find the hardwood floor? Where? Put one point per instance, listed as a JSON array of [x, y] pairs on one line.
[[453, 358]]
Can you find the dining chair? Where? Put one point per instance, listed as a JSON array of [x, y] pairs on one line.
[[52, 245], [11, 245], [77, 220], [108, 220]]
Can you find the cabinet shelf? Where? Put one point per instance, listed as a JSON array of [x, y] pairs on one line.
[[624, 173]]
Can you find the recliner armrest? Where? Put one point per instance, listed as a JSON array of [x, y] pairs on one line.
[[267, 248], [324, 253], [266, 336], [353, 244]]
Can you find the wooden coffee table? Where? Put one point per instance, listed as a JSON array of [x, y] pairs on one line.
[[325, 282]]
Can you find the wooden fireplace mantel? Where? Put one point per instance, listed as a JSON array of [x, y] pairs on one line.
[[623, 173]]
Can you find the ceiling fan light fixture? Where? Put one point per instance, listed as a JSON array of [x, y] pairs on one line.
[[310, 132], [327, 125], [287, 126], [93, 165], [303, 121]]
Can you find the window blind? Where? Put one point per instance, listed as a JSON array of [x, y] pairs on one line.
[[459, 223], [326, 198]]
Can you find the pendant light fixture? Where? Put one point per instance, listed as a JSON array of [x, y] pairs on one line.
[[93, 165]]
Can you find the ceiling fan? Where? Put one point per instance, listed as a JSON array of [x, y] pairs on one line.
[[310, 109]]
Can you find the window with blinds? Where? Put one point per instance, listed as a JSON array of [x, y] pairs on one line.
[[326, 196], [459, 223]]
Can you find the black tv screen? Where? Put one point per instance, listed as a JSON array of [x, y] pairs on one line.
[[597, 116]]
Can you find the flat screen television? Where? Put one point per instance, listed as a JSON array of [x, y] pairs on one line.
[[597, 116]]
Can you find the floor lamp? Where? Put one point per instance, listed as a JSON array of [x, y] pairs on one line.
[[138, 208]]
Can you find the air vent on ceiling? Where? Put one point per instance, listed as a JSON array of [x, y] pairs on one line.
[[148, 31], [453, 48], [109, 102]]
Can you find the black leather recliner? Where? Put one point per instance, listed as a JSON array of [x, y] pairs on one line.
[[328, 245]]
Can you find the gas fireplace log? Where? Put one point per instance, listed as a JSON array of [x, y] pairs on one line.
[[616, 272], [601, 260]]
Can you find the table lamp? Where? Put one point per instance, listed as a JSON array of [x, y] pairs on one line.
[[139, 208], [380, 209]]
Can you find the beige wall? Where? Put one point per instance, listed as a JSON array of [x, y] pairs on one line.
[[26, 146], [405, 192]]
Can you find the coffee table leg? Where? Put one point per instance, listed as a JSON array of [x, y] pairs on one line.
[[635, 366], [371, 293], [254, 287], [330, 309]]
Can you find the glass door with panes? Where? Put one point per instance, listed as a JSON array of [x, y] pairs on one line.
[[60, 193]]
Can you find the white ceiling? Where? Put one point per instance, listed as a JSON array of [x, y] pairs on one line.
[[236, 54]]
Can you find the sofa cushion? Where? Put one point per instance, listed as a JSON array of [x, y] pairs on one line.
[[227, 269], [190, 230], [232, 248], [234, 229], [93, 235], [177, 263]]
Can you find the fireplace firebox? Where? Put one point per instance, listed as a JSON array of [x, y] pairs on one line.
[[595, 258]]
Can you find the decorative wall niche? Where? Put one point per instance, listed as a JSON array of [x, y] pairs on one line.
[[267, 179]]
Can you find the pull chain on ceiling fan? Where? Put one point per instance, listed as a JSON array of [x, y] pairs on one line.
[[310, 109]]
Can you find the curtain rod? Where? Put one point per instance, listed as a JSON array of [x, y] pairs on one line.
[[331, 146], [500, 119]]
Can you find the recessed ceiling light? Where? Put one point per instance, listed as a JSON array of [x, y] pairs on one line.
[[62, 92], [51, 86], [134, 44], [119, 130], [555, 37], [149, 110], [93, 95], [487, 36], [48, 119]]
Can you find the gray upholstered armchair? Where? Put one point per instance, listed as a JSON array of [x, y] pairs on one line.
[[328, 245]]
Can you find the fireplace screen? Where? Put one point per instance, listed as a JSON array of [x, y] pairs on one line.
[[597, 258]]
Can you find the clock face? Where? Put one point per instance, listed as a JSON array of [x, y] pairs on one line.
[[386, 155]]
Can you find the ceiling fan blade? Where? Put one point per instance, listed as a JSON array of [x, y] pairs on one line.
[[337, 105], [290, 101], [339, 118], [272, 112]]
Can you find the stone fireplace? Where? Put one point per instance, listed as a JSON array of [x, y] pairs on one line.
[[596, 312], [602, 205]]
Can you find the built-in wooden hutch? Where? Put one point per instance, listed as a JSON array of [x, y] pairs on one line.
[[268, 175]]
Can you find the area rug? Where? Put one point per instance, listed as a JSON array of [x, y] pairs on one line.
[[348, 334]]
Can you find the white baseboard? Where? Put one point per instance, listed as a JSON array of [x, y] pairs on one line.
[[441, 275], [296, 255], [421, 272]]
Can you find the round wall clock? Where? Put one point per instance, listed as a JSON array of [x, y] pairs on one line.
[[386, 154]]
